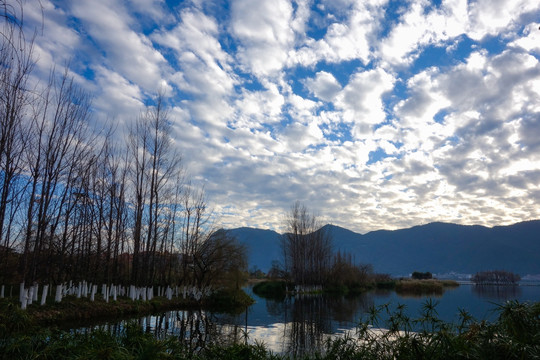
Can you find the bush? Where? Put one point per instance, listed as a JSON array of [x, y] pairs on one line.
[[421, 275], [271, 289]]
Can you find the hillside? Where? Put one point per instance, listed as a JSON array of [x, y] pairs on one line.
[[435, 247]]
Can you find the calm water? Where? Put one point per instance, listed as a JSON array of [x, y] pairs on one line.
[[301, 324]]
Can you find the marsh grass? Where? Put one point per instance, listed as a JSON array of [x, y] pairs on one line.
[[423, 287]]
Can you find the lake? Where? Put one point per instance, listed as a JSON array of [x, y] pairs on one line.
[[301, 324]]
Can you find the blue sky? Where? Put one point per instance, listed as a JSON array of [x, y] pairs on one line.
[[375, 114]]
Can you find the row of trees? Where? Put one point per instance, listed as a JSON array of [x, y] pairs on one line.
[[496, 277], [83, 203]]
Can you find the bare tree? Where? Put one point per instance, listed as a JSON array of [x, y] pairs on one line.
[[156, 165], [16, 64], [307, 247], [59, 143], [194, 221]]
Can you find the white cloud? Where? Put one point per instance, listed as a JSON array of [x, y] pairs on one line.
[[125, 50], [117, 98], [456, 143], [417, 29], [324, 86], [55, 41], [489, 17], [347, 40], [530, 41], [361, 99], [265, 33]]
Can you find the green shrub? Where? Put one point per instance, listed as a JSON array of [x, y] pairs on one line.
[[271, 289]]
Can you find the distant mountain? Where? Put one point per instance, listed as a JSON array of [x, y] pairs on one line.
[[435, 247], [263, 246]]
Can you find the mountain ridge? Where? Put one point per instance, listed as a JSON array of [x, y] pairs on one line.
[[437, 247]]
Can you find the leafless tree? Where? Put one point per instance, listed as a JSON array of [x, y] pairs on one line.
[[59, 143], [156, 165], [307, 247], [16, 64]]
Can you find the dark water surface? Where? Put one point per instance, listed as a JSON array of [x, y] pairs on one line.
[[302, 324]]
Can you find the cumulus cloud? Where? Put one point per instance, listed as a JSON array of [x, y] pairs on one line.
[[345, 40], [361, 99], [323, 101], [124, 49], [530, 41], [265, 34], [324, 86]]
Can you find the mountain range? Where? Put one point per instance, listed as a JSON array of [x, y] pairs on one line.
[[440, 248]]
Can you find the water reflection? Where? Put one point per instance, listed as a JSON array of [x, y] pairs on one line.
[[301, 324], [498, 293], [304, 324], [308, 321], [196, 329]]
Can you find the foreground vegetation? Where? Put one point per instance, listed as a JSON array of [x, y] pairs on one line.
[[515, 335]]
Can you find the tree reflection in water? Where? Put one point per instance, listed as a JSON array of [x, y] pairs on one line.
[[497, 292], [303, 323], [311, 319]]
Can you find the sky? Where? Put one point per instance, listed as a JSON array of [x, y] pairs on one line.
[[375, 114]]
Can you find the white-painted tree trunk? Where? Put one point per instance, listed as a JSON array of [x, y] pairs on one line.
[[132, 292], [58, 296], [143, 294], [93, 292], [35, 293], [44, 294], [24, 298], [2, 292], [21, 291], [79, 290], [30, 297]]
